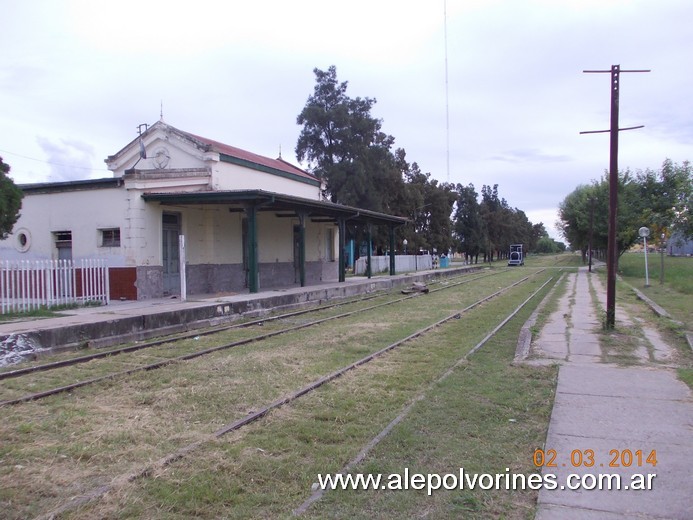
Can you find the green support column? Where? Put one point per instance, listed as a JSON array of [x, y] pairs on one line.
[[342, 242], [302, 249], [392, 250], [253, 271], [369, 270]]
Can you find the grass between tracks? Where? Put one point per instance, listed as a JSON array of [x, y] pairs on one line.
[[64, 446], [486, 417]]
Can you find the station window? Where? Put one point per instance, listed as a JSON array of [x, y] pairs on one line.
[[63, 244], [63, 238], [23, 242], [110, 237]]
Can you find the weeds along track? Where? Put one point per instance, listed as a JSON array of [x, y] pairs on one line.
[[8, 372], [100, 366], [74, 449]]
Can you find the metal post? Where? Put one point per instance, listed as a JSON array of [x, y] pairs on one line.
[[591, 230], [392, 250], [369, 270], [253, 274], [647, 271], [612, 251], [644, 232], [612, 247], [302, 249], [661, 254], [342, 260], [181, 258]]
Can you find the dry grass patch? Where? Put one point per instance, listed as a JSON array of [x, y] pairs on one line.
[[266, 470], [118, 428]]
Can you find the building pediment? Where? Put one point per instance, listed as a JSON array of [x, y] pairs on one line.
[[162, 148]]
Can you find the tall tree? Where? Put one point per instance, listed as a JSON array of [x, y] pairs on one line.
[[345, 146], [429, 205], [10, 201], [538, 232], [468, 228], [574, 213], [491, 209], [666, 197], [440, 200]]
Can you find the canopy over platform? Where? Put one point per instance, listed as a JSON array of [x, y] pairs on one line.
[[252, 201], [269, 201]]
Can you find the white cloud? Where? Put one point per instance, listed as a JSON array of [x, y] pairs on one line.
[[69, 160], [240, 72]]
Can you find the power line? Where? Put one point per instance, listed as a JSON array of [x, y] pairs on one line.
[[53, 163]]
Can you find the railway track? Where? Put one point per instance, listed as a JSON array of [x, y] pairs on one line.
[[261, 411], [104, 353], [194, 352], [240, 410]]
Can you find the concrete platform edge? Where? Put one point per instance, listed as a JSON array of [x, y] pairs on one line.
[[198, 314]]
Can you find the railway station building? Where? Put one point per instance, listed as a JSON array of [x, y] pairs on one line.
[[248, 222]]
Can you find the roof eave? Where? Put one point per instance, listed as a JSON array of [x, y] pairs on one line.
[[277, 199], [267, 169]]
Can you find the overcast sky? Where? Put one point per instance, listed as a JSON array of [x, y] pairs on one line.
[[78, 76]]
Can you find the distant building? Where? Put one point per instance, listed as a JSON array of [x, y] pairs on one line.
[[248, 221], [677, 245]]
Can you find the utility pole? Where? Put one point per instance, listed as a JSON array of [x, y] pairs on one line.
[[591, 230], [612, 247]]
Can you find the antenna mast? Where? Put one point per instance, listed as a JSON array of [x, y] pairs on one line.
[[447, 97]]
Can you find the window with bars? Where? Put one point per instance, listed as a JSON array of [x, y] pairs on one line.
[[110, 237]]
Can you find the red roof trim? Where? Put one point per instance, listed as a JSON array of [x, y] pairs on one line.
[[277, 164]]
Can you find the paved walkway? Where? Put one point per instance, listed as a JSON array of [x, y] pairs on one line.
[[609, 410], [116, 310], [127, 321], [120, 309]]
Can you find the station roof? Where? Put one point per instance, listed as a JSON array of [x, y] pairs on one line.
[[252, 160], [87, 184], [278, 202]]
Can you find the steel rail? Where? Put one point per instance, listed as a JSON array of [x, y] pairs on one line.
[[170, 339], [317, 494], [186, 357], [238, 424]]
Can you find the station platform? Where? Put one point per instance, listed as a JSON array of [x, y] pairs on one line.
[[127, 321]]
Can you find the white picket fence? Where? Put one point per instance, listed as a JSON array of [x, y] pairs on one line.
[[31, 284], [403, 264]]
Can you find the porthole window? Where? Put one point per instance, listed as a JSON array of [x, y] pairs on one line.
[[23, 240]]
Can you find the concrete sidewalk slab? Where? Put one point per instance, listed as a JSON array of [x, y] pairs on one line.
[[614, 411], [604, 408]]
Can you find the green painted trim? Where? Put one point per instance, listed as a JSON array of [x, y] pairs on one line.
[[342, 254], [369, 270], [278, 201], [302, 249], [253, 270], [392, 250], [266, 169]]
